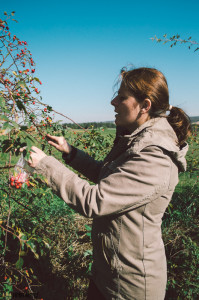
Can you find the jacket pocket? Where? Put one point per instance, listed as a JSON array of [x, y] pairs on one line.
[[110, 252]]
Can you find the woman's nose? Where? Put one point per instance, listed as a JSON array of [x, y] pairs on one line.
[[114, 101]]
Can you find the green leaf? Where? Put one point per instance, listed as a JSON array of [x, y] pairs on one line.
[[32, 247], [46, 244], [32, 116], [29, 143], [6, 111], [37, 79], [49, 108], [23, 128], [88, 234], [23, 236], [28, 137], [20, 105], [7, 127], [4, 118], [19, 263], [88, 253], [2, 102], [21, 84], [15, 124], [88, 228], [23, 253]]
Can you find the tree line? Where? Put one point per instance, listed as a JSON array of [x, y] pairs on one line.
[[87, 125]]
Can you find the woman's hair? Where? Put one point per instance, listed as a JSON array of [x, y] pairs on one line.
[[150, 83]]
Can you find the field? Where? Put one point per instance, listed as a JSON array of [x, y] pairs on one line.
[[45, 247]]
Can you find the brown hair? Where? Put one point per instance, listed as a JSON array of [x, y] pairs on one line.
[[150, 83]]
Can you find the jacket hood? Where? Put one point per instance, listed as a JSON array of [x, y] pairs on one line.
[[158, 132]]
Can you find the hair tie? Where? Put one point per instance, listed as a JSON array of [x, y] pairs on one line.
[[170, 107]]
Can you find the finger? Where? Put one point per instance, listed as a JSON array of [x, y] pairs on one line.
[[52, 137], [53, 144], [22, 149], [34, 148]]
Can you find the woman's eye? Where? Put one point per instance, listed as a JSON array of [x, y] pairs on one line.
[[122, 98]]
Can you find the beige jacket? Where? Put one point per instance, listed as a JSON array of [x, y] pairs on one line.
[[134, 185]]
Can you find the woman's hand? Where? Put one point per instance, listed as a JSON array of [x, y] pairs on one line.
[[35, 156], [59, 143]]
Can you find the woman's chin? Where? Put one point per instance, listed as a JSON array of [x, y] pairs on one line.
[[117, 123], [117, 120]]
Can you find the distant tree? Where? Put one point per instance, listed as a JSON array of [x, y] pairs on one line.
[[177, 39]]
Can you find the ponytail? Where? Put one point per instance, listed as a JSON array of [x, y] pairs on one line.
[[180, 123]]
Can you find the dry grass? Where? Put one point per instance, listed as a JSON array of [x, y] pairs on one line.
[[67, 258]]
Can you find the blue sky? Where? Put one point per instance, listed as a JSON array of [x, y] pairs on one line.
[[80, 46]]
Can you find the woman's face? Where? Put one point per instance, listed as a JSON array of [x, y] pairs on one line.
[[127, 109]]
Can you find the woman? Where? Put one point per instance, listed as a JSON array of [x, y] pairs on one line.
[[134, 185]]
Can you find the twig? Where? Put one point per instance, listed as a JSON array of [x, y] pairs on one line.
[[7, 167], [11, 233]]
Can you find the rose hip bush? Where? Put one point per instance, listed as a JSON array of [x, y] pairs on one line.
[[21, 106], [24, 121], [43, 250]]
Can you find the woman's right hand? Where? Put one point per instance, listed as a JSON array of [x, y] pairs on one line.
[[59, 143]]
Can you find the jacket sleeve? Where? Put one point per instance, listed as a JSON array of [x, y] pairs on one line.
[[86, 165], [137, 181]]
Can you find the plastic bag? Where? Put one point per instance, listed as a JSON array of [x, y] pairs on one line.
[[20, 175]]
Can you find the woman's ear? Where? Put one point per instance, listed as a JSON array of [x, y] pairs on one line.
[[146, 105]]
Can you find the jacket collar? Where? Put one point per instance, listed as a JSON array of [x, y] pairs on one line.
[[158, 132], [150, 123]]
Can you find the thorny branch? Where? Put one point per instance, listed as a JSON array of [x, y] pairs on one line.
[[176, 39]]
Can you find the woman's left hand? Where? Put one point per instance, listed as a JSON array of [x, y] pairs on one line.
[[35, 156]]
